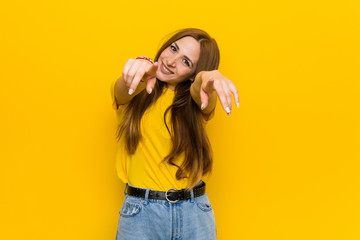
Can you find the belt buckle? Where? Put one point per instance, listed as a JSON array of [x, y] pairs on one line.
[[170, 201]]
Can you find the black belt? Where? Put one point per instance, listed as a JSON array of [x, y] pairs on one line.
[[171, 197]]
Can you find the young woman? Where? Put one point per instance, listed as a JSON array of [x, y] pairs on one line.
[[163, 152]]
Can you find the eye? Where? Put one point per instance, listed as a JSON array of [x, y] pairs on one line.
[[173, 48], [187, 62]]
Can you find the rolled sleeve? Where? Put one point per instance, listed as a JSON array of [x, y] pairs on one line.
[[119, 109], [115, 106], [209, 116]]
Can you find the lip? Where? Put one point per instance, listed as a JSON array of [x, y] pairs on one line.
[[162, 70]]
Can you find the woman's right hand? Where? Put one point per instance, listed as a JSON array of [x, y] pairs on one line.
[[136, 70]]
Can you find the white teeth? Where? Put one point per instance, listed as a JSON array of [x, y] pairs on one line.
[[166, 69]]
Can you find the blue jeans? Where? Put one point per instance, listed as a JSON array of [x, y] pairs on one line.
[[153, 219]]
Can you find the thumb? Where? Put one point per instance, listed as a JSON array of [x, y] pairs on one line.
[[152, 69], [209, 86]]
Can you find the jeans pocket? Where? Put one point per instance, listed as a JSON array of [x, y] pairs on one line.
[[204, 206], [204, 203], [130, 209]]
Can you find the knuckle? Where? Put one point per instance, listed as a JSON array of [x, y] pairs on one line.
[[131, 74], [124, 73], [221, 92], [140, 72]]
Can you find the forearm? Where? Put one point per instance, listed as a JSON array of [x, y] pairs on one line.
[[195, 94], [122, 91]]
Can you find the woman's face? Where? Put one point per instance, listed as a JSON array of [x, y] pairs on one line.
[[178, 61]]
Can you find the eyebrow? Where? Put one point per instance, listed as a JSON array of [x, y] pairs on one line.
[[192, 64]]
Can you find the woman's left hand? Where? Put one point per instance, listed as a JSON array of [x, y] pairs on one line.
[[215, 81]]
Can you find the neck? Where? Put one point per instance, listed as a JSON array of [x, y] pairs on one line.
[[170, 87]]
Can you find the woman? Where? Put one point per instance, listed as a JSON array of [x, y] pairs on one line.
[[163, 151]]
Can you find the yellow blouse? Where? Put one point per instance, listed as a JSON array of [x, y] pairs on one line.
[[144, 168]]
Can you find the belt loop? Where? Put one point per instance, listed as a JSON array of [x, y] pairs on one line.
[[125, 188], [147, 196], [192, 195]]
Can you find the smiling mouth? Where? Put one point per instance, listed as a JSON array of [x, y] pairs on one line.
[[166, 69]]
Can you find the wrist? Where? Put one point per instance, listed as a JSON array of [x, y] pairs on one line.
[[145, 58]]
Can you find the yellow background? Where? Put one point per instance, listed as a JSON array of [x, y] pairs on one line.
[[286, 162]]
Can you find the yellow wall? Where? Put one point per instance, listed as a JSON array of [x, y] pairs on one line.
[[286, 162]]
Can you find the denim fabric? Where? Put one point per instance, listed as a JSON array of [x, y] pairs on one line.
[[153, 219]]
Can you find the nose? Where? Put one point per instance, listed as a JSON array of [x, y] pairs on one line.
[[171, 61]]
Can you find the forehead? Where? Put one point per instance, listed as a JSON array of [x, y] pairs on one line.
[[189, 47]]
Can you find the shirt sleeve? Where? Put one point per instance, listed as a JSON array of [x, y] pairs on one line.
[[119, 109], [115, 106], [209, 116]]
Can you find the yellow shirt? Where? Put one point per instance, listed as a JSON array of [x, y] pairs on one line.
[[144, 168]]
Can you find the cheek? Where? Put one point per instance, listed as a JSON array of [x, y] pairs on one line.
[[164, 54], [185, 72]]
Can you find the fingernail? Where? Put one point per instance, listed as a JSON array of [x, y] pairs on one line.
[[228, 111], [237, 104], [150, 90], [131, 91], [202, 106]]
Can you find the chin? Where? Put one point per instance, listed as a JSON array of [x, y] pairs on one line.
[[161, 77], [158, 76]]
